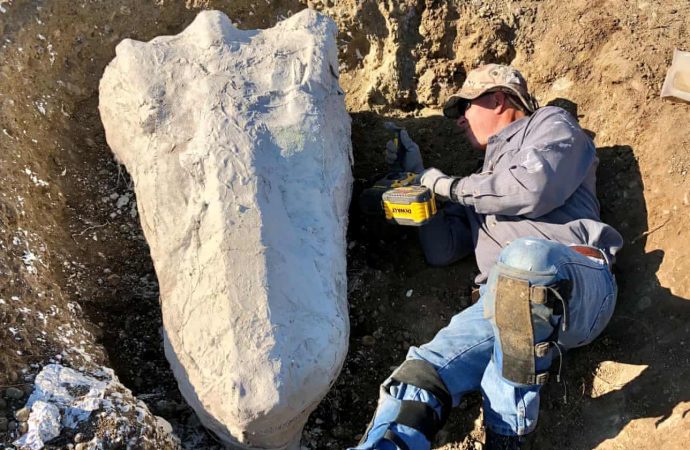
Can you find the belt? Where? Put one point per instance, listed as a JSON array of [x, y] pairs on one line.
[[590, 252]]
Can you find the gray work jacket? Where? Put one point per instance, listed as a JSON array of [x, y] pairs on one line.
[[538, 180]]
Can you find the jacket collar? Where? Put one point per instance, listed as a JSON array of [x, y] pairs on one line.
[[497, 142], [511, 129]]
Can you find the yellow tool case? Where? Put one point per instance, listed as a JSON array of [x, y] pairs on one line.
[[409, 205]]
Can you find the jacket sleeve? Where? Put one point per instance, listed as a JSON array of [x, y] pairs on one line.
[[552, 162], [447, 237]]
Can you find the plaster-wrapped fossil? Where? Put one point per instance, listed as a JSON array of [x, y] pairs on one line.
[[238, 143]]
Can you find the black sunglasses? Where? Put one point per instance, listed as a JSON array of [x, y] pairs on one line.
[[462, 108]]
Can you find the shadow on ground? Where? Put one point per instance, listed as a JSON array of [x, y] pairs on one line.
[[639, 367]]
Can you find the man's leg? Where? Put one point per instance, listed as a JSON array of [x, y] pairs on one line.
[[467, 357], [570, 298], [456, 358]]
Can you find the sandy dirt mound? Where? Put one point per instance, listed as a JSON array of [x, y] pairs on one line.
[[78, 286]]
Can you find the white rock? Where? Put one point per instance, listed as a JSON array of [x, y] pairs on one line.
[[64, 398], [238, 143], [44, 425], [56, 384]]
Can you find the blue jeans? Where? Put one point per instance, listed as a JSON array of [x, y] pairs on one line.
[[465, 352]]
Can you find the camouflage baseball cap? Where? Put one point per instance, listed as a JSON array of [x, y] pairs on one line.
[[490, 78]]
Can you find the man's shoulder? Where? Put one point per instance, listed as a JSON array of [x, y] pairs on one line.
[[552, 122], [553, 114], [546, 124], [544, 120]]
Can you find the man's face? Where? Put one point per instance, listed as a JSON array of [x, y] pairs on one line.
[[480, 120]]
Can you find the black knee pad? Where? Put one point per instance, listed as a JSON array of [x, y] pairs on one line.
[[419, 415]]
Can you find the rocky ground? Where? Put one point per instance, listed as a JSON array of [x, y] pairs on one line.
[[78, 287]]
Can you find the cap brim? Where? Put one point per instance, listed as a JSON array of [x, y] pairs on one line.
[[458, 102]]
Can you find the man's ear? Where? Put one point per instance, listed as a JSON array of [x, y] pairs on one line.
[[501, 101]]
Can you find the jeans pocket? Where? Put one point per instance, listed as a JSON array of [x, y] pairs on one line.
[[602, 318]]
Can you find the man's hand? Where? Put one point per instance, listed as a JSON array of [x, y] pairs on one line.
[[437, 181], [411, 156]]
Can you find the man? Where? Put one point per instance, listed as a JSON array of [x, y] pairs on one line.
[[532, 218]]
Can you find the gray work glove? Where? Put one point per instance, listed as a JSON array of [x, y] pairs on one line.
[[411, 156], [437, 181]]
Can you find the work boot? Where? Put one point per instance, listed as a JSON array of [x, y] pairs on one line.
[[495, 441]]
